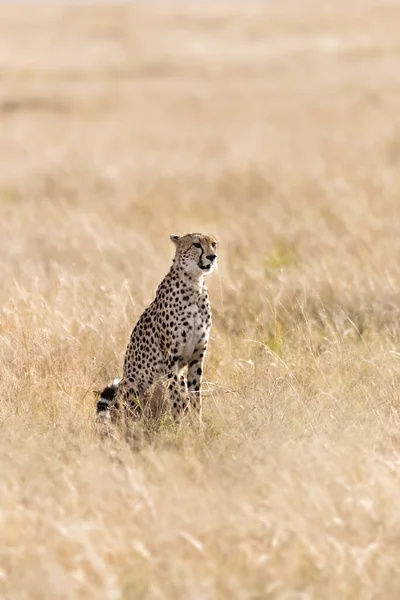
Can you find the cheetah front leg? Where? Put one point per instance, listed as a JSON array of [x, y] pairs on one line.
[[178, 391], [194, 377]]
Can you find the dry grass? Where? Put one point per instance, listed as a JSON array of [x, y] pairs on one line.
[[276, 128]]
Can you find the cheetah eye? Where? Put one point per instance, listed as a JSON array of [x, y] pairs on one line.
[[197, 245], [214, 245]]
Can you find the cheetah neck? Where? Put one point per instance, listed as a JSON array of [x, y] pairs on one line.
[[193, 282]]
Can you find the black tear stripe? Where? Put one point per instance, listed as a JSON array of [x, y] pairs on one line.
[[201, 255]]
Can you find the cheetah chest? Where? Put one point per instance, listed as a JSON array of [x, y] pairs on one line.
[[194, 332]]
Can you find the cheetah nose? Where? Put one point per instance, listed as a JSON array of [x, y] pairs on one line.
[[211, 257]]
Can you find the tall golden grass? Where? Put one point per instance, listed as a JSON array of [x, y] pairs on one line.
[[276, 127]]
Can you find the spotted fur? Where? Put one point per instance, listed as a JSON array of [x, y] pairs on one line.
[[170, 339]]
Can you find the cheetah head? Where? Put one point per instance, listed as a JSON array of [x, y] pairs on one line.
[[196, 252]]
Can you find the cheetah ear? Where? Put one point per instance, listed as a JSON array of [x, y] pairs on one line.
[[174, 238]]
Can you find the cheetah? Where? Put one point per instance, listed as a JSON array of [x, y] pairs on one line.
[[170, 337]]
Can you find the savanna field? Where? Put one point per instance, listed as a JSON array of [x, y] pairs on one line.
[[275, 127]]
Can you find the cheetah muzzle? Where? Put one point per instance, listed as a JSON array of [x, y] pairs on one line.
[[170, 339]]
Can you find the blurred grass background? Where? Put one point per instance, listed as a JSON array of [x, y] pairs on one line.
[[275, 126]]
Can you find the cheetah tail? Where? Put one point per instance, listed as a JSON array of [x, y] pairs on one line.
[[107, 396]]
